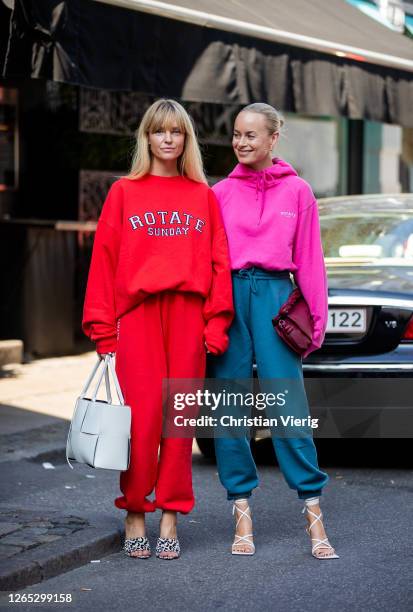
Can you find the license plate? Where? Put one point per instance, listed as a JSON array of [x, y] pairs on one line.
[[346, 320]]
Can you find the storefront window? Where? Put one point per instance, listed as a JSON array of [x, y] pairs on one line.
[[317, 149], [388, 158]]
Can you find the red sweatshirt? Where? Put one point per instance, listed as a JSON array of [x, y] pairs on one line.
[[156, 234]]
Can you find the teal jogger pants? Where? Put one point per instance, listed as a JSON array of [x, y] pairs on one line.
[[258, 295]]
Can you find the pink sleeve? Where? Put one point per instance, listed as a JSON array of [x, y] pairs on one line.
[[311, 276]]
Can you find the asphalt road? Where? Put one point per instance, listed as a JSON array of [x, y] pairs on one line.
[[368, 513]]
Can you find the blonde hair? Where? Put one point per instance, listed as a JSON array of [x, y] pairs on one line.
[[273, 117], [165, 113]]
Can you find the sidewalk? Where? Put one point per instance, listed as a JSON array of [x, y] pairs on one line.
[[43, 539], [37, 545], [37, 402]]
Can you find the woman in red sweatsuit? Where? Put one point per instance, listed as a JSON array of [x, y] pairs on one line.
[[159, 296]]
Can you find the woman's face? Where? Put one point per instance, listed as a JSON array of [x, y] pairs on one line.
[[251, 140], [167, 144]]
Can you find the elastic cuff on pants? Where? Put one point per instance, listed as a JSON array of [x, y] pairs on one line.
[[311, 501], [308, 495], [232, 497]]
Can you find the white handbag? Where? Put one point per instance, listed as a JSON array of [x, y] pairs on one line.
[[99, 433]]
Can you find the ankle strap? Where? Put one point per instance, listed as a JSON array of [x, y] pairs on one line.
[[317, 517], [241, 512]]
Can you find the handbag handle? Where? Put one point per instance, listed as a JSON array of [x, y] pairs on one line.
[[117, 385], [91, 377], [107, 384], [105, 365], [107, 362]]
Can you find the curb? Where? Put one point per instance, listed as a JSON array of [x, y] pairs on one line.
[[37, 455], [40, 443], [11, 351], [53, 558], [57, 454], [58, 557]]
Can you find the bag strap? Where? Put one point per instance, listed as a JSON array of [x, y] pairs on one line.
[[91, 377], [104, 370], [115, 378], [107, 384]]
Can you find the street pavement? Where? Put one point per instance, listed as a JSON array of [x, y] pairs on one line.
[[368, 514]]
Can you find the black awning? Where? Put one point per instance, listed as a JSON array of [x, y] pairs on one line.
[[332, 26], [96, 44]]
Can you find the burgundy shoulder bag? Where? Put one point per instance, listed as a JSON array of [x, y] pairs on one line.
[[293, 323]]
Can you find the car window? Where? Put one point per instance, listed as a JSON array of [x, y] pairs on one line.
[[368, 236]]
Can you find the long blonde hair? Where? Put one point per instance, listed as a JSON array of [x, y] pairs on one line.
[[164, 113]]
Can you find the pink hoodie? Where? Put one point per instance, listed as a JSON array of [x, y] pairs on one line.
[[271, 221]]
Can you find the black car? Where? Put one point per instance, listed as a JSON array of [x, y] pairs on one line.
[[368, 250]]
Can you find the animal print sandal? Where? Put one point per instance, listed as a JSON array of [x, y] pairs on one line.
[[168, 545], [134, 544]]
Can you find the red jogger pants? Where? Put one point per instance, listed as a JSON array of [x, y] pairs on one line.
[[161, 338]]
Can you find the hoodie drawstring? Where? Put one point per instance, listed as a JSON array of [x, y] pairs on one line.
[[259, 187], [262, 182], [254, 273], [250, 273], [262, 185]]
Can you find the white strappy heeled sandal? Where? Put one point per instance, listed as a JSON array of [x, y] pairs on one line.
[[242, 539], [319, 543]]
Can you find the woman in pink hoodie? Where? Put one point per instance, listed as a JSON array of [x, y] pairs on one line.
[[271, 220]]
